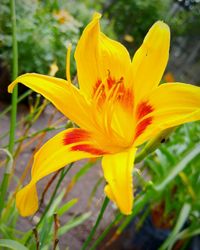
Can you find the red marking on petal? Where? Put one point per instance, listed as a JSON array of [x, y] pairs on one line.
[[89, 149], [141, 126], [143, 109], [76, 135]]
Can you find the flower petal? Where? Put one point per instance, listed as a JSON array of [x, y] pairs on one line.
[[99, 58], [150, 60], [66, 147], [172, 104], [118, 173], [63, 95]]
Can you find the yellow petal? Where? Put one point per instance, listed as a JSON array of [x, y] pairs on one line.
[[66, 147], [99, 57], [27, 200], [117, 170], [150, 60], [173, 104], [63, 95]]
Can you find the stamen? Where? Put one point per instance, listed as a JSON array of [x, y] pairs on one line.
[[98, 92], [109, 109], [114, 92], [106, 93], [69, 48]]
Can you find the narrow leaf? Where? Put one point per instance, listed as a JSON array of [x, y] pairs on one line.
[[73, 223], [12, 244], [67, 206]]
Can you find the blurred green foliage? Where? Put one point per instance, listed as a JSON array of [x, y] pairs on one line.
[[174, 188], [43, 33], [185, 186], [135, 17], [44, 28]]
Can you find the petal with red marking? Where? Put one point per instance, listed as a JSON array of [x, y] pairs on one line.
[[171, 104], [66, 147]]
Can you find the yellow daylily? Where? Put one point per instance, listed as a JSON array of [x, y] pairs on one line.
[[118, 107]]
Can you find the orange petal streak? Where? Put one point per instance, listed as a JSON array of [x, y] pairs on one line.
[[141, 126], [89, 149], [144, 108], [76, 135]]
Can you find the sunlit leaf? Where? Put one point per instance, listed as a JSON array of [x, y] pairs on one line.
[[12, 244]]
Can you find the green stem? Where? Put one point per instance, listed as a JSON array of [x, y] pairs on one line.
[[139, 204], [21, 97], [106, 231], [4, 184], [101, 213], [62, 175], [22, 138], [14, 75], [153, 144], [94, 190], [26, 119]]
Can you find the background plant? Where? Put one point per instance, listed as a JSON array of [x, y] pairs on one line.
[[43, 31], [171, 196]]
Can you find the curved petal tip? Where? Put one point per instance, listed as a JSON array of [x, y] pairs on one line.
[[158, 34], [161, 25], [12, 85], [125, 208], [27, 200]]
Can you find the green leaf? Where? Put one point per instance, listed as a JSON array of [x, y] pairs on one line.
[[55, 204], [67, 206], [73, 223], [180, 166], [83, 171], [154, 166], [12, 244], [46, 231], [94, 190], [188, 233], [183, 216]]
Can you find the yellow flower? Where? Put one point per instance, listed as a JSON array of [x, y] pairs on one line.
[[118, 107]]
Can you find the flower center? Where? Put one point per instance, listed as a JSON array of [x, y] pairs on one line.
[[110, 89], [113, 104]]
